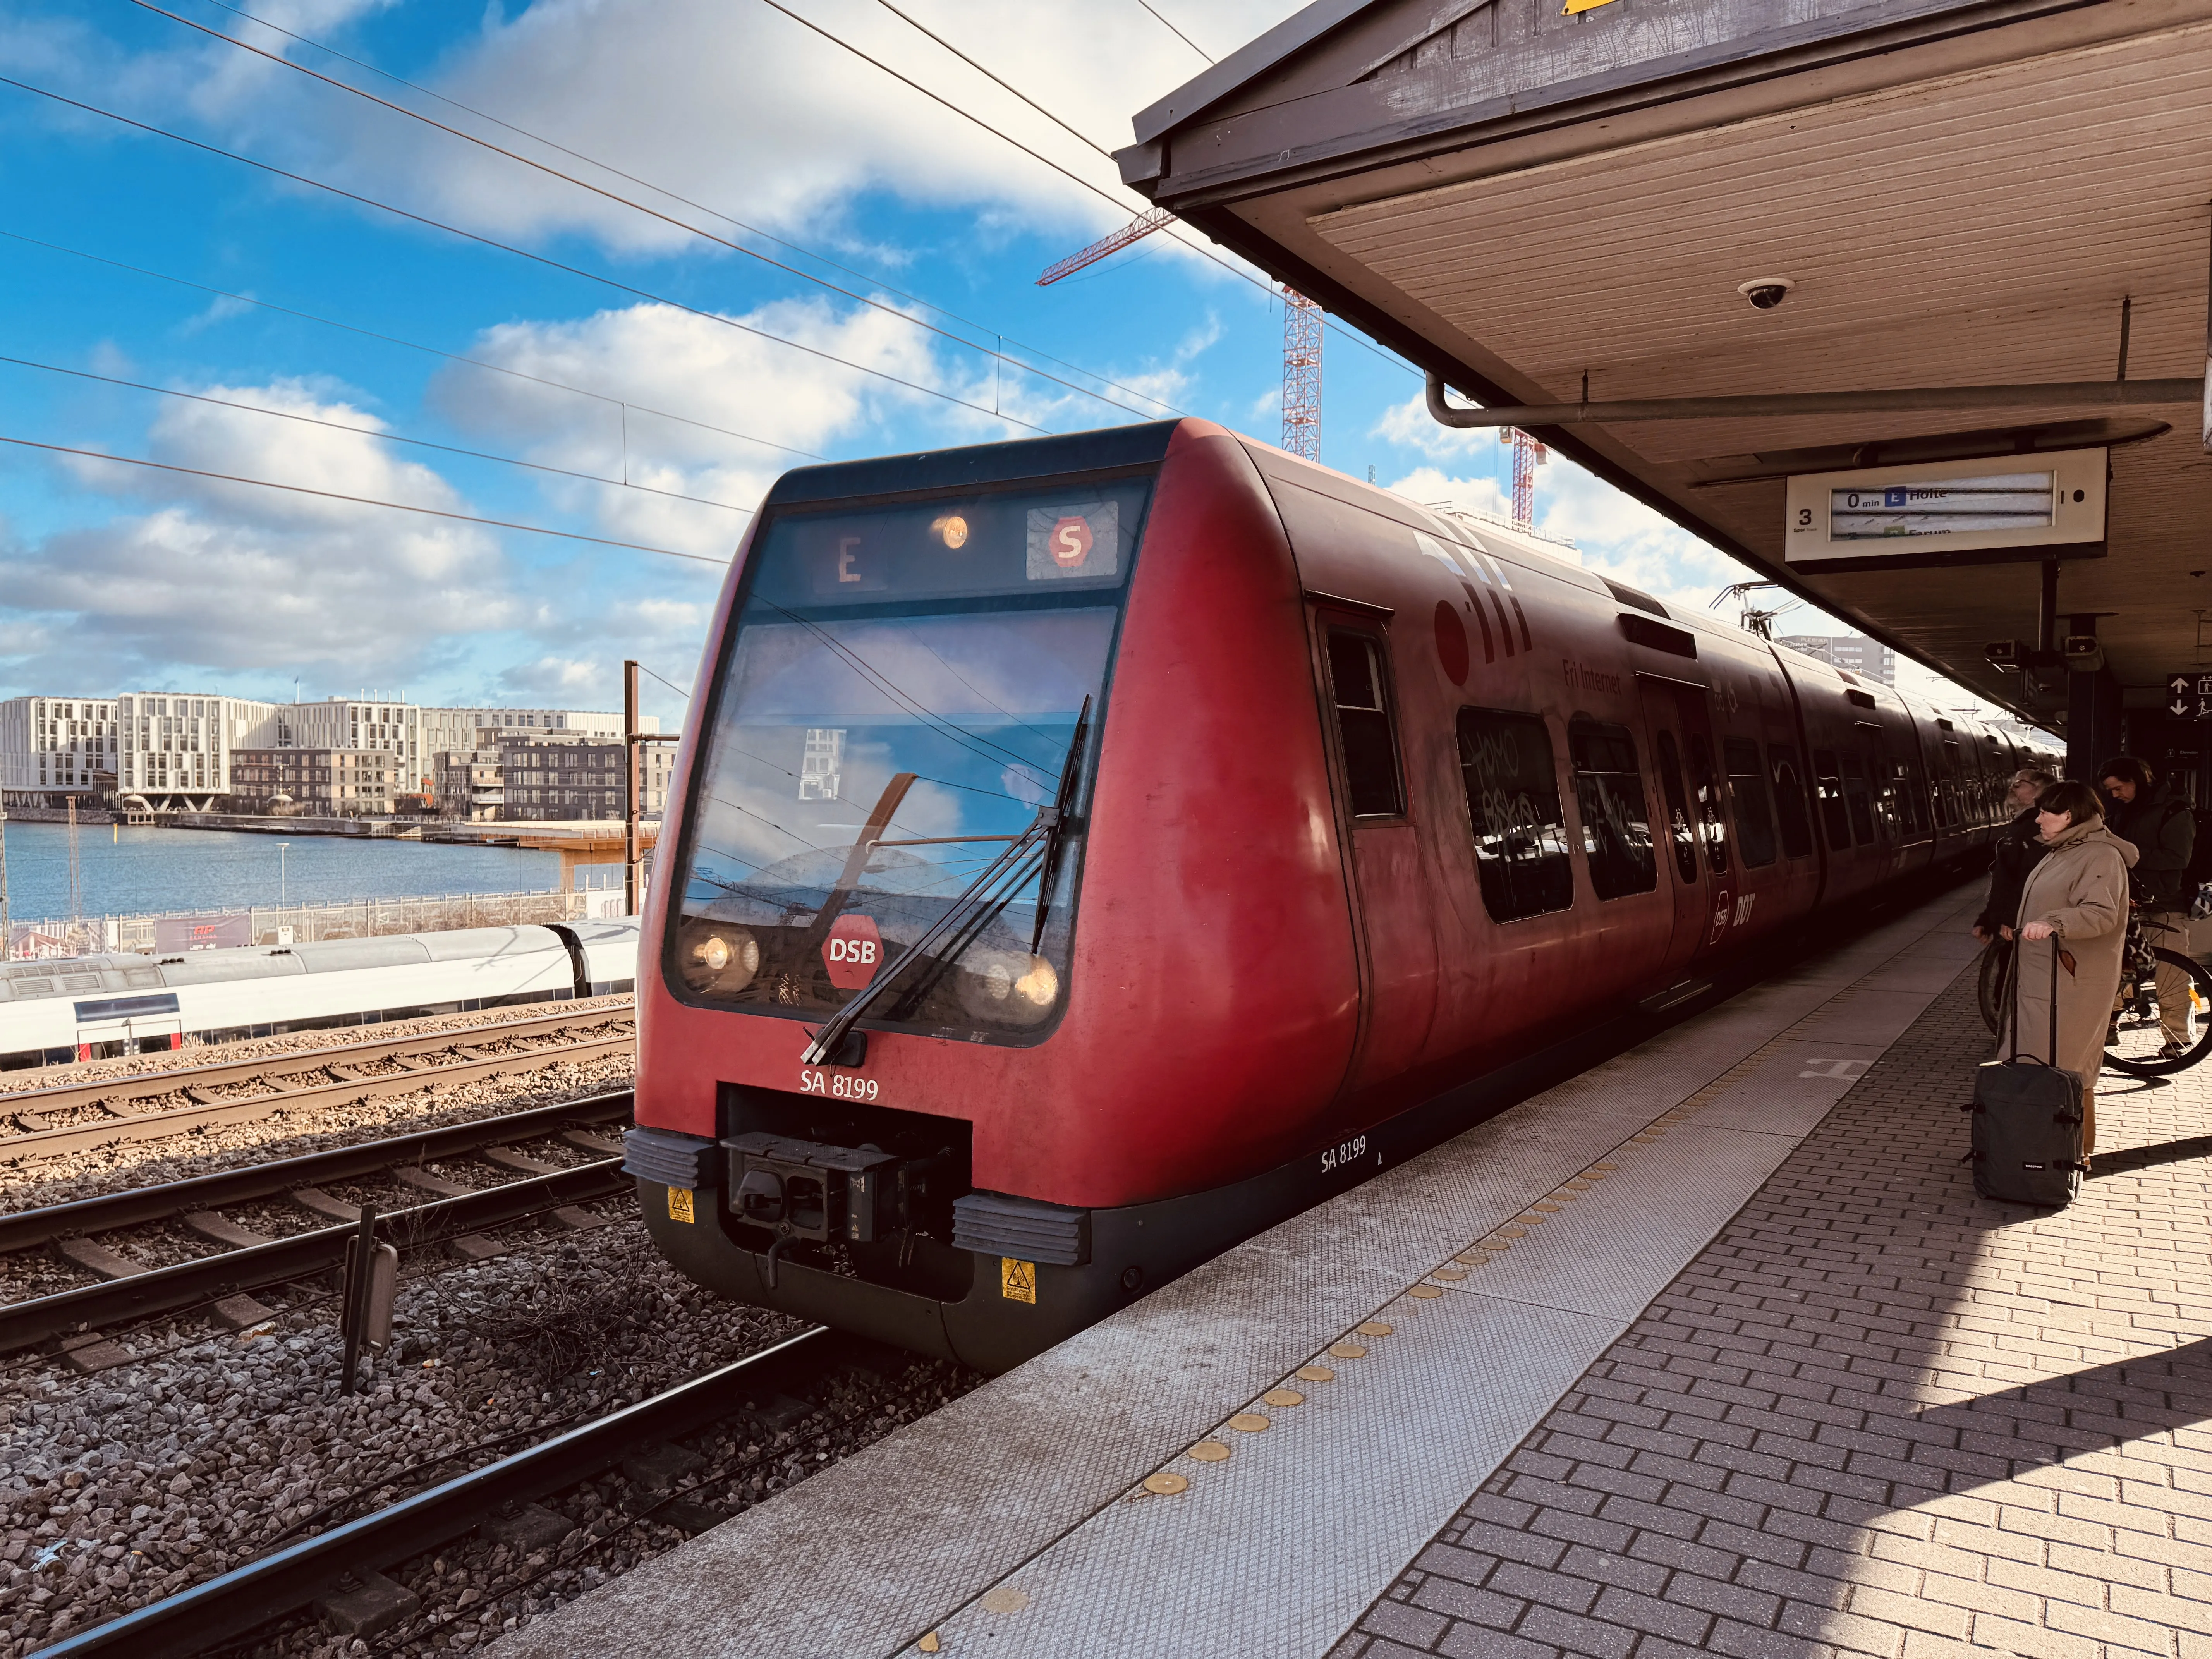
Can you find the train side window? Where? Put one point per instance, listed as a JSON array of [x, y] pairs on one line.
[[1754, 811], [1790, 799], [1359, 684], [1712, 822], [1835, 820], [1616, 824], [1513, 802], [1678, 810], [1857, 800], [1913, 796]]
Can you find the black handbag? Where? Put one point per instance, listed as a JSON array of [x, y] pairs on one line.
[[2027, 1117]]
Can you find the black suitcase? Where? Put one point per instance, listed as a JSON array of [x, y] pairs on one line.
[[2027, 1118]]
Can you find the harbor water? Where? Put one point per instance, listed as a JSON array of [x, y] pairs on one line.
[[124, 869]]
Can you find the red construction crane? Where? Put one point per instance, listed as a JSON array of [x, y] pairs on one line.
[[1302, 334], [1135, 231], [1527, 456]]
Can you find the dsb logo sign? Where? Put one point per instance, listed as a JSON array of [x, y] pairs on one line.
[[853, 952]]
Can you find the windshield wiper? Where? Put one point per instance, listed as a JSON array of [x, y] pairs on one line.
[[1044, 830], [1070, 774], [831, 1039]]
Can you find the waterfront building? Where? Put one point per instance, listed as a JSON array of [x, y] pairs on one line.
[[1869, 657], [54, 749], [470, 784], [332, 783], [175, 750], [417, 735], [551, 779]]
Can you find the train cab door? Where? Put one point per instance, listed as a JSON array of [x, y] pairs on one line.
[[1391, 908], [1695, 841]]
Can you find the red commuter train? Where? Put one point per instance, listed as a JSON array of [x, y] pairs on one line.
[[1090, 850]]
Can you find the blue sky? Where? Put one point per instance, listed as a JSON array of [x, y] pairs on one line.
[[661, 357]]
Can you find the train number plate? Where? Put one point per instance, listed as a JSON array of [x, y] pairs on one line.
[[838, 1085], [1350, 1151]]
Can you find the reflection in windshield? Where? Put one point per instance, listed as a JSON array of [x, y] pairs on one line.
[[819, 720]]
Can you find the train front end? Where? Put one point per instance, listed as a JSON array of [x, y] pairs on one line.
[[926, 977]]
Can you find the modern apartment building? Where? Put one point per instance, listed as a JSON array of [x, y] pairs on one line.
[[470, 785], [551, 779], [52, 748], [336, 783], [175, 750], [1869, 657]]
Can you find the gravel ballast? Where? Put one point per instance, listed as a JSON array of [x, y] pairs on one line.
[[118, 1488]]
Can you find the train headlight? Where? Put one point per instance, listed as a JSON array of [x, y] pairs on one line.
[[725, 959], [1040, 986], [1009, 987]]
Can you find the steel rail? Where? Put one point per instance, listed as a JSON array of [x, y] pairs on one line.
[[26, 1229], [209, 1278], [141, 1085], [244, 1599], [154, 1125]]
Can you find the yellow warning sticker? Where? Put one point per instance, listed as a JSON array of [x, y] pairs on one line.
[[679, 1203], [1016, 1279]]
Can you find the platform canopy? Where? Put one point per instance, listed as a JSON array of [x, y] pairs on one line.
[[2010, 195]]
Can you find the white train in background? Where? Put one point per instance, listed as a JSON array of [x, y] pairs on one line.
[[53, 1013]]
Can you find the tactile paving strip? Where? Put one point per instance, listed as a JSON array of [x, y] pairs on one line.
[[1023, 1485]]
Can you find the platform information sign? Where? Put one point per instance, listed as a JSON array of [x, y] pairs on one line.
[[1939, 513], [2188, 694], [2007, 501]]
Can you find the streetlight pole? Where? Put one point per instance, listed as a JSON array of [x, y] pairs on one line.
[[7, 938], [283, 882]]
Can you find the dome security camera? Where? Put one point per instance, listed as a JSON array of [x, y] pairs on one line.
[[1766, 293]]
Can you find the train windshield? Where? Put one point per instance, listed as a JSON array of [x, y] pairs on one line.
[[908, 695]]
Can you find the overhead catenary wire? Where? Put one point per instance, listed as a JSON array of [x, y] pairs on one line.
[[360, 500], [451, 102], [411, 345], [367, 432], [1260, 283], [1178, 33], [641, 207], [614, 282]]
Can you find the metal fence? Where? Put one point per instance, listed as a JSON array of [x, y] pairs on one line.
[[294, 924]]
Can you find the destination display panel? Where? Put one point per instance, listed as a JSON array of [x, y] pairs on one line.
[[1948, 512]]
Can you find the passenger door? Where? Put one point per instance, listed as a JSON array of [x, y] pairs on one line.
[[1390, 907], [1695, 837]]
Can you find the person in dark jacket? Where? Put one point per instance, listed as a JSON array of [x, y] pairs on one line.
[[2019, 844], [2165, 834]]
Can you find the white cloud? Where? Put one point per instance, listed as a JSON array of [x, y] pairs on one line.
[[1430, 486], [734, 108], [222, 575], [1410, 425]]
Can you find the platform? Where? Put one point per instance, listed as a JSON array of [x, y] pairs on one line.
[[1711, 1349]]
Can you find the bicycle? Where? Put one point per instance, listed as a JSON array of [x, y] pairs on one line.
[[2135, 1037]]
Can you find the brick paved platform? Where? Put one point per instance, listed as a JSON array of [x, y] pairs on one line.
[[1877, 1415], [1717, 1333]]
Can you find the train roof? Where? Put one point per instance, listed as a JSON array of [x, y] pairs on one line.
[[1146, 443], [23, 981]]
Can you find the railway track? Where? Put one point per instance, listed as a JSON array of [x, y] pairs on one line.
[[340, 1570], [431, 1058], [129, 1291]]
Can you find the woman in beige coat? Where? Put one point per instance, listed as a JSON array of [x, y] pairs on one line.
[[2076, 902]]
